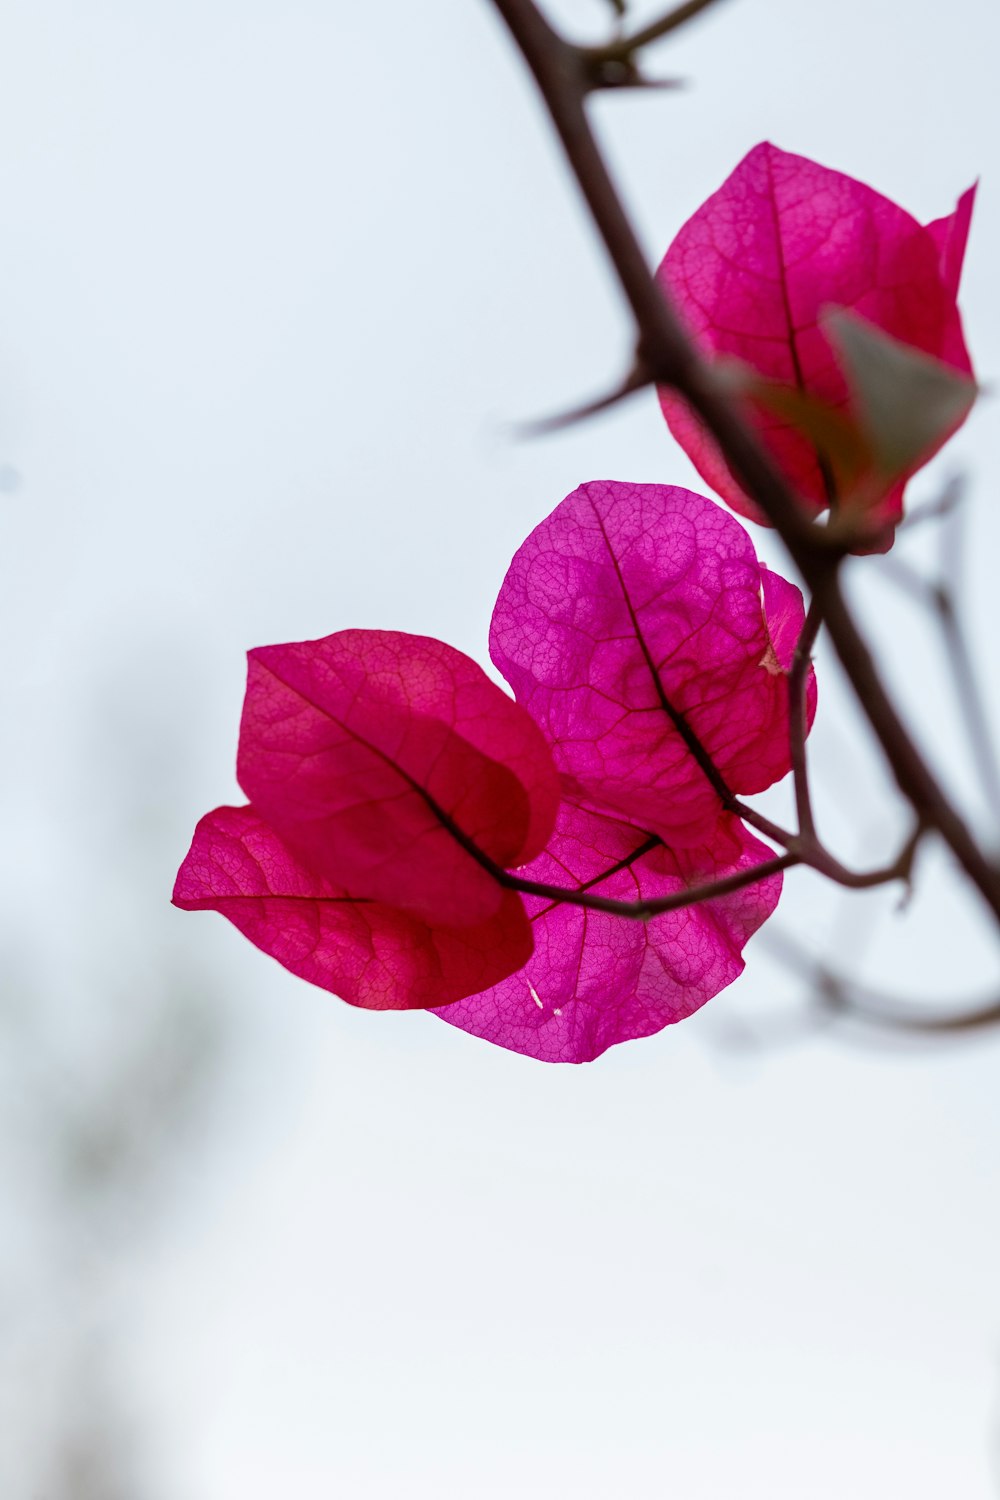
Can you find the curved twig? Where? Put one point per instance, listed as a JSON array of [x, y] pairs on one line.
[[642, 911]]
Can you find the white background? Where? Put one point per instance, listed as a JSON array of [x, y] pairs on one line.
[[275, 281]]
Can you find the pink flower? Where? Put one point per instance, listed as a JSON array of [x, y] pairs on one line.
[[752, 273], [395, 792], [386, 776]]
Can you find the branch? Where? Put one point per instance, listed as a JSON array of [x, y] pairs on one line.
[[941, 598], [562, 74], [642, 911], [848, 998], [798, 726], [969, 698], [966, 686], [637, 379]]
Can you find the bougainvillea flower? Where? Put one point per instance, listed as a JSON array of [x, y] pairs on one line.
[[369, 954], [392, 786], [595, 979], [752, 273], [638, 628], [389, 779], [384, 760]]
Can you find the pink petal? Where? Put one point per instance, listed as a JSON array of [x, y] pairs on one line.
[[595, 980], [370, 955], [631, 619], [753, 268], [386, 761], [951, 235]]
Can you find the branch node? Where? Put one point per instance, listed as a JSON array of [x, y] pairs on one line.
[[603, 73]]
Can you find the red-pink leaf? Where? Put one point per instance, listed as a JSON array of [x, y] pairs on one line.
[[387, 761], [631, 626], [596, 979], [755, 266], [371, 955]]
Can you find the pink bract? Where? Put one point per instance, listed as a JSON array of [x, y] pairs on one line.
[[595, 980], [753, 269], [390, 782], [385, 760], [640, 631], [371, 955]]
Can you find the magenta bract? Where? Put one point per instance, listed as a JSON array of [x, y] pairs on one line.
[[383, 770], [381, 757], [371, 955], [640, 631], [594, 979], [754, 268]]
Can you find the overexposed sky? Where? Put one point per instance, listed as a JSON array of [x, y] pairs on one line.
[[275, 281]]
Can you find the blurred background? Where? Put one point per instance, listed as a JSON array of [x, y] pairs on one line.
[[276, 283]]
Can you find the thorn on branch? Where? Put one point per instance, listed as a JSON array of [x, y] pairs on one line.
[[636, 380], [604, 73], [624, 49], [905, 863]]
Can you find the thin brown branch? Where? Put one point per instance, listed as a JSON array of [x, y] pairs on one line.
[[901, 868], [942, 600], [970, 700], [643, 911], [798, 720], [560, 72], [967, 689], [848, 998], [582, 896]]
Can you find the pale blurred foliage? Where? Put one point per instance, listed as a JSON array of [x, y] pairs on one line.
[[106, 1076]]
